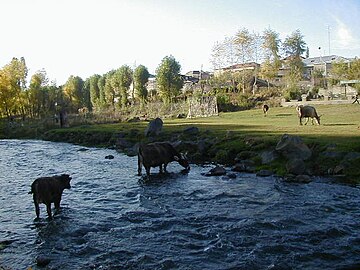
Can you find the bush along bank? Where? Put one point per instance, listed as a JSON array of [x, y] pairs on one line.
[[287, 156]]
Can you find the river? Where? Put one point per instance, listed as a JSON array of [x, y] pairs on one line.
[[111, 219]]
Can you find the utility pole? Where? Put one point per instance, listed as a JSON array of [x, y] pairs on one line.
[[328, 28]]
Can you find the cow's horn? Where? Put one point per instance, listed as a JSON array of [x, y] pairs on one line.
[[176, 158]]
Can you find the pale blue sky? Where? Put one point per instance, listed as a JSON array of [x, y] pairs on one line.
[[84, 37]]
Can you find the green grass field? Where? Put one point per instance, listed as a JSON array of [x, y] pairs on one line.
[[340, 124]]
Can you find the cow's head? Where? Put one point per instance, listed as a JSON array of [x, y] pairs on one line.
[[318, 119], [65, 180], [182, 161]]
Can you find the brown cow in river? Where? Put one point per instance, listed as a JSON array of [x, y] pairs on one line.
[[159, 154], [308, 112], [49, 190]]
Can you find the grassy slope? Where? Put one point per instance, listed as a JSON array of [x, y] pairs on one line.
[[340, 124]]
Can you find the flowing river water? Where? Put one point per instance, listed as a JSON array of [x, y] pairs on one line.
[[111, 219]]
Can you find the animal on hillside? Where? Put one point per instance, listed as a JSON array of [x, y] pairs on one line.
[[265, 109], [307, 111], [49, 190], [159, 154]]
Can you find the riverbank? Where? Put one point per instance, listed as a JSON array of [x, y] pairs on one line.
[[245, 137]]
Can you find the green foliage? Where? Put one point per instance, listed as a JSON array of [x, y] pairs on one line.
[[243, 45], [294, 45], [269, 69], [244, 101], [12, 84], [292, 93], [75, 93], [121, 81], [346, 71], [141, 77], [168, 78], [271, 45], [224, 104], [94, 90]]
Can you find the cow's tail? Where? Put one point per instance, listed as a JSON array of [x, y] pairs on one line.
[[32, 189]]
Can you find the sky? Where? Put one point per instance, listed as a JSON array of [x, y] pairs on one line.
[[87, 37]]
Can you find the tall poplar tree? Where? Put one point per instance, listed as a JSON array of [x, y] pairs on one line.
[[141, 77], [168, 78]]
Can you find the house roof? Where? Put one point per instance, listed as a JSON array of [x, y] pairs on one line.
[[242, 66], [324, 59]]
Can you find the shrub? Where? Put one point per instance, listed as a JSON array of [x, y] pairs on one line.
[[291, 93]]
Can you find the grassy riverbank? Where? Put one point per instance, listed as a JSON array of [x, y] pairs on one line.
[[236, 134], [340, 125]]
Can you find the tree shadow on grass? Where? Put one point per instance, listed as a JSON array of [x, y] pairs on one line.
[[340, 124]]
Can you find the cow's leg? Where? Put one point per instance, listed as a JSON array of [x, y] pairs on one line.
[[48, 210], [139, 165], [57, 204], [165, 165], [37, 208], [161, 168], [300, 121], [147, 169], [307, 120]]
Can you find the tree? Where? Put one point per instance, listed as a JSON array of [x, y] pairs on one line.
[[354, 70], [257, 52], [243, 45], [123, 79], [109, 91], [223, 53], [73, 91], [94, 90], [141, 77], [12, 83], [294, 45], [102, 95], [217, 55], [36, 94], [271, 44], [168, 78]]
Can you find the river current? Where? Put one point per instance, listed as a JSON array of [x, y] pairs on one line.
[[112, 219]]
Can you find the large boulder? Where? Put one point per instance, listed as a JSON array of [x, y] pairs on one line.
[[244, 166], [295, 166], [292, 147], [191, 131], [154, 127], [268, 156], [216, 171]]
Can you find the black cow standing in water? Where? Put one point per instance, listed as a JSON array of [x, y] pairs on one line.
[[49, 190], [159, 154]]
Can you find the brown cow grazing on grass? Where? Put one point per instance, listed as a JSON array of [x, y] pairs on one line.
[[159, 154], [49, 190], [265, 109], [307, 111]]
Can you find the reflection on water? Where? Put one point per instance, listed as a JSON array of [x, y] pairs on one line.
[[110, 219]]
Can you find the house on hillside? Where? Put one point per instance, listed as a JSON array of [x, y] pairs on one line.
[[151, 85], [252, 81], [252, 66], [192, 81], [199, 74], [322, 64]]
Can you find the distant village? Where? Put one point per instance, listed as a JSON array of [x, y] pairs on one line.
[[320, 65]]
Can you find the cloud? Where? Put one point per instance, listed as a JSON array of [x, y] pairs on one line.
[[344, 36]]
